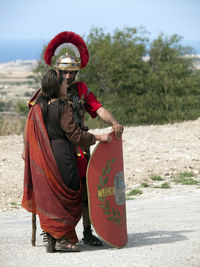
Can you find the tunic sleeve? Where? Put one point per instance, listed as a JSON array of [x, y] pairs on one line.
[[73, 131], [92, 105]]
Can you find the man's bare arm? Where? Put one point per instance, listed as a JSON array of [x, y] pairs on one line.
[[106, 116]]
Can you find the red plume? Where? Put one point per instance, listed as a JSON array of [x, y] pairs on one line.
[[67, 37]]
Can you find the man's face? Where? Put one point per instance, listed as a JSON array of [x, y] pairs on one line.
[[63, 87], [69, 76]]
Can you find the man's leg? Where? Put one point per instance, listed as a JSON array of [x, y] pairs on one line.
[[88, 237]]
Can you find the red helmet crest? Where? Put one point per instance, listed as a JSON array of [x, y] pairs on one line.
[[65, 38]]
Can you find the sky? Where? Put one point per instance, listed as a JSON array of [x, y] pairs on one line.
[[43, 19]]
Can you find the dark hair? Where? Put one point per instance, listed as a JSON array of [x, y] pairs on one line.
[[51, 83]]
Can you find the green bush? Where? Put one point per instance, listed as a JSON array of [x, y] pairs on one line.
[[144, 184], [134, 192], [22, 108], [185, 178], [165, 186], [156, 177]]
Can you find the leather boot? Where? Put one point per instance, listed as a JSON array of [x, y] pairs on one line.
[[89, 238]]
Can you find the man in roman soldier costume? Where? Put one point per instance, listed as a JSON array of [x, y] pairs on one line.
[[82, 99]]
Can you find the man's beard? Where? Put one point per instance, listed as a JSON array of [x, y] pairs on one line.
[[70, 81]]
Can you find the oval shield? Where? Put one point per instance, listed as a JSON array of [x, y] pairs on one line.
[[106, 192]]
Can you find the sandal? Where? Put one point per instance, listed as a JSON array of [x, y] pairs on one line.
[[49, 242], [64, 245]]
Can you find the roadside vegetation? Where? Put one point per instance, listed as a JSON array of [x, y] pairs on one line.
[[157, 182], [185, 178], [156, 177]]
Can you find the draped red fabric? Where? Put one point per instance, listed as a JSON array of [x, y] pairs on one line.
[[59, 208]]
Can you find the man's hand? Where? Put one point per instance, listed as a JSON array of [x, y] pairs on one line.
[[103, 138], [106, 116], [118, 129]]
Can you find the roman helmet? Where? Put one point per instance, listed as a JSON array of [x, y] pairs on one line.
[[74, 59]]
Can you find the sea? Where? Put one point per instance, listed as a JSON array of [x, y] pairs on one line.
[[13, 50]]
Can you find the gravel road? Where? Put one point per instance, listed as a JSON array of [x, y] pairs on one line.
[[163, 230]]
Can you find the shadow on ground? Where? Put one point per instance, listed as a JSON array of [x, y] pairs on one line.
[[155, 238]]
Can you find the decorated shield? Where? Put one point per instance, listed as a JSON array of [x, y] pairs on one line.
[[106, 192]]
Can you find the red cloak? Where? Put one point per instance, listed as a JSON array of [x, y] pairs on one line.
[[59, 208]]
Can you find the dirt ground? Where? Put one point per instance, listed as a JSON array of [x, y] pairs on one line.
[[165, 150]]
